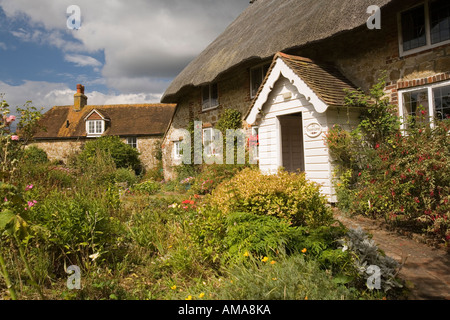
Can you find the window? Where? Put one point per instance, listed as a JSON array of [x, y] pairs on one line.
[[425, 26], [442, 102], [210, 96], [257, 76], [132, 141], [254, 142], [177, 149], [434, 99], [211, 139], [95, 127]]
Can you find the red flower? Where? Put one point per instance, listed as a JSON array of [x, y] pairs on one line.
[[359, 174], [377, 146]]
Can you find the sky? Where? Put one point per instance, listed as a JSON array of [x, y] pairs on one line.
[[123, 52]]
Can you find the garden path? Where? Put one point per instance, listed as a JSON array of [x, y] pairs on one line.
[[426, 269]]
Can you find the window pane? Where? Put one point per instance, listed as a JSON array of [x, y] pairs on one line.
[[98, 127], [256, 79], [91, 127], [412, 101], [132, 141], [205, 97], [214, 95], [413, 28], [440, 21], [442, 102]]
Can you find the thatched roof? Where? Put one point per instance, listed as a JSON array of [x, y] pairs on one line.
[[62, 122], [267, 27]]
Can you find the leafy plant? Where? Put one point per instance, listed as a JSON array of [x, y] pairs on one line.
[[285, 195], [123, 155]]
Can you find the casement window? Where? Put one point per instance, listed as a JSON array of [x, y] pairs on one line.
[[257, 75], [211, 138], [95, 127], [132, 142], [177, 149], [424, 26], [210, 96], [435, 99]]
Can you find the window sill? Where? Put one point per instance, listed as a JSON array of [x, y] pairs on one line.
[[210, 109], [422, 49]]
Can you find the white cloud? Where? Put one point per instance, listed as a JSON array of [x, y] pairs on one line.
[[82, 60], [3, 46], [142, 40]]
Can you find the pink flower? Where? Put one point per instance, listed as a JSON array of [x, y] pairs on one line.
[[29, 187], [15, 138], [11, 119]]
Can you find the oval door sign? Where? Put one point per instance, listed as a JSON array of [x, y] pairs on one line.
[[313, 130]]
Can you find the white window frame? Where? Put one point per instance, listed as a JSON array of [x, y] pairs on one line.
[[177, 149], [428, 45], [210, 103], [431, 106], [261, 68], [209, 132], [95, 133], [255, 129], [131, 143]]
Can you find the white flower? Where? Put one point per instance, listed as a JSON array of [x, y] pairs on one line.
[[94, 256]]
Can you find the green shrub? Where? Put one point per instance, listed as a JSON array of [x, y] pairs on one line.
[[149, 187], [34, 155], [289, 278], [73, 227], [123, 155], [258, 235], [284, 195], [212, 175], [124, 175]]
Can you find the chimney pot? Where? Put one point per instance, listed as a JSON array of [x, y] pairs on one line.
[[80, 100]]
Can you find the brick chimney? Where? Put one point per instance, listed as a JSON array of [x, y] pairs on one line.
[[80, 100]]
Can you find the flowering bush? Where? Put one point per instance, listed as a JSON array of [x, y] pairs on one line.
[[284, 195], [401, 176]]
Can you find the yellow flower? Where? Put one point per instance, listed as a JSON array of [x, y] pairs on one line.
[[273, 262], [304, 250], [173, 287], [274, 279], [306, 298], [246, 254], [264, 259], [188, 298], [201, 295]]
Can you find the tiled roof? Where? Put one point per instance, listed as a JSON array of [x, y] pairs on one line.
[[324, 79], [62, 122]]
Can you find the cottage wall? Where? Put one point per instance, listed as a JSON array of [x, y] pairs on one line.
[[60, 150]]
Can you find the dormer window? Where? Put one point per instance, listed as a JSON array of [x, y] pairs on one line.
[[95, 127], [95, 124]]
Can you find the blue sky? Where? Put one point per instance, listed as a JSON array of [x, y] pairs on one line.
[[124, 52]]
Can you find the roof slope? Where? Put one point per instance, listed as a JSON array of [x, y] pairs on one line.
[[324, 79], [270, 26], [125, 120]]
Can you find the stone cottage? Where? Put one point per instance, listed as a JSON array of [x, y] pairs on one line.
[[67, 128], [284, 64]]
